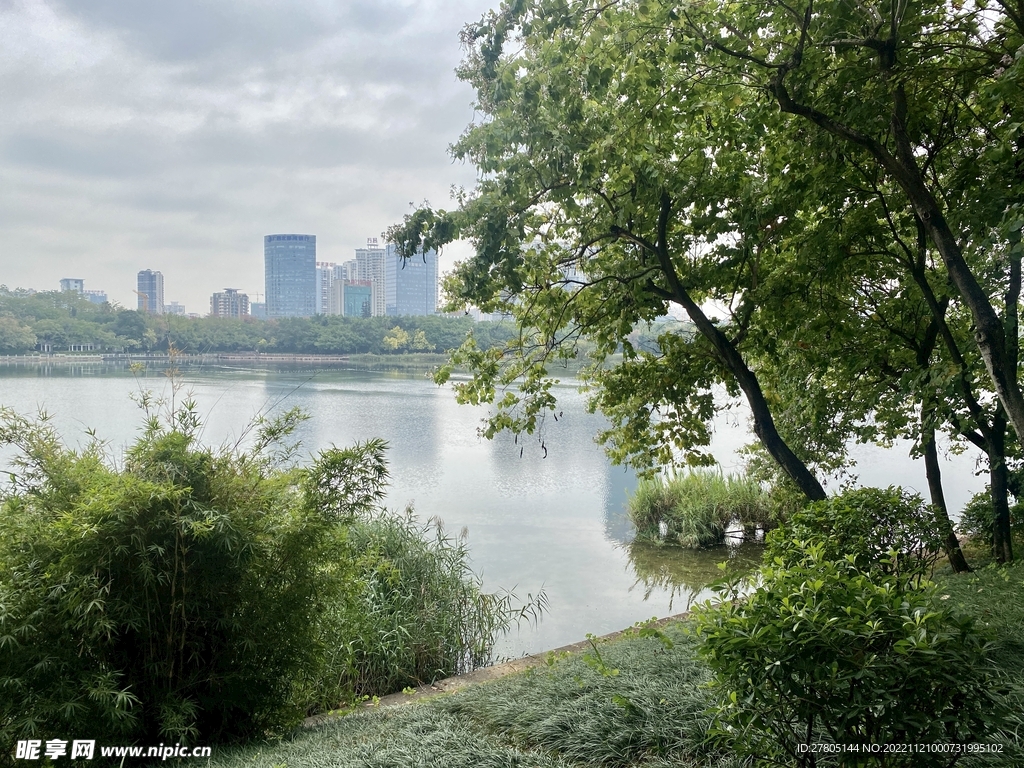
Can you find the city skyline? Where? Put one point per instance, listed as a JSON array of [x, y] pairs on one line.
[[399, 289], [132, 142], [298, 284]]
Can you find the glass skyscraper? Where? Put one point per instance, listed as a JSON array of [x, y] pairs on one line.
[[352, 298], [151, 292], [410, 285], [290, 264]]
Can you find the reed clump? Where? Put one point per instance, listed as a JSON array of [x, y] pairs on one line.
[[419, 613], [698, 509]]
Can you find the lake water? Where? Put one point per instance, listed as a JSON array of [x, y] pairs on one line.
[[532, 522]]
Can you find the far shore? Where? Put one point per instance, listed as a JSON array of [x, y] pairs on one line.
[[57, 358], [412, 362]]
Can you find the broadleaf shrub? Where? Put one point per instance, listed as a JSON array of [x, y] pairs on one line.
[[825, 651], [888, 529], [978, 518]]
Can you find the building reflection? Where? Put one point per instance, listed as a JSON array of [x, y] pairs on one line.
[[621, 484]]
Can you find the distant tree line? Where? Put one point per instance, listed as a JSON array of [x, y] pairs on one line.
[[65, 320]]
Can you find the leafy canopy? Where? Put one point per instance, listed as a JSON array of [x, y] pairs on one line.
[[636, 156]]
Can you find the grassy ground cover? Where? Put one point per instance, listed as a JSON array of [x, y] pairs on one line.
[[993, 595], [635, 702]]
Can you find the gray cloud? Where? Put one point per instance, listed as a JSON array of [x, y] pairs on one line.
[[191, 31], [173, 137]]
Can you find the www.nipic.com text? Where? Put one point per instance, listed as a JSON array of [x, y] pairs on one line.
[[85, 749]]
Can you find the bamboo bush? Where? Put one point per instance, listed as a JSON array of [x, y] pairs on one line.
[[189, 593]]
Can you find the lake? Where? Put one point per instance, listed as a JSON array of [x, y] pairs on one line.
[[532, 522]]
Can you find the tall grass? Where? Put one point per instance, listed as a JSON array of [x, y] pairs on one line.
[[695, 510], [419, 613]]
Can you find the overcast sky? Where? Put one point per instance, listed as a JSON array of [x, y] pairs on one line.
[[174, 135]]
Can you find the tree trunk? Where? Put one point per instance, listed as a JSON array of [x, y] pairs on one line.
[[902, 166], [1002, 532], [931, 466], [732, 360], [764, 424], [988, 329], [929, 404], [1001, 542]]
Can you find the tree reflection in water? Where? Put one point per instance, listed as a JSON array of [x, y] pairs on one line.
[[687, 573]]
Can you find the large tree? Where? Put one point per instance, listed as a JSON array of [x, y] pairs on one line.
[[599, 206], [930, 95], [638, 155]]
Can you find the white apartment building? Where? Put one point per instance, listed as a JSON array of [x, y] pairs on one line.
[[325, 276]]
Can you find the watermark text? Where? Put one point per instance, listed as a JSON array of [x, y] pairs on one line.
[[86, 749]]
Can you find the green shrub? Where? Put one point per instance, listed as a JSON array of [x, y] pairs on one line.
[[977, 520], [867, 524], [696, 510], [191, 594], [824, 651]]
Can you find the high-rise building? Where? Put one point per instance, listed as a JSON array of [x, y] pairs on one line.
[[351, 298], [151, 292], [410, 285], [325, 271], [229, 303], [96, 297], [258, 309], [290, 268], [371, 266], [347, 271], [336, 298]]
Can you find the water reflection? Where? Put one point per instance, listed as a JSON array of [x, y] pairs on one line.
[[621, 483], [684, 575], [353, 406]]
